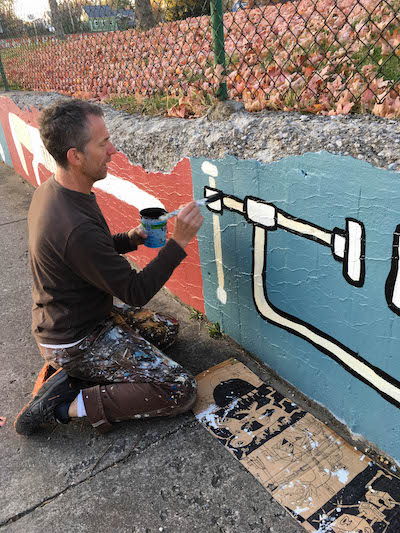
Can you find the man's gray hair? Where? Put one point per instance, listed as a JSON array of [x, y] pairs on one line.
[[63, 125]]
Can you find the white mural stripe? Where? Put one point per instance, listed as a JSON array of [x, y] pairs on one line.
[[232, 204], [26, 135], [127, 192], [304, 229], [221, 293]]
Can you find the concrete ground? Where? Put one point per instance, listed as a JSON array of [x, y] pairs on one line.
[[146, 476]]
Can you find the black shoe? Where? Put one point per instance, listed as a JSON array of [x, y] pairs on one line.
[[59, 388]]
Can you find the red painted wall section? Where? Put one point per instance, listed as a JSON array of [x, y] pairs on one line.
[[171, 189]]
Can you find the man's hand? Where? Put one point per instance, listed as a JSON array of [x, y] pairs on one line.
[[137, 235], [187, 224]]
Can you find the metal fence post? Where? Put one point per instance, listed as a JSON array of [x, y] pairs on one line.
[[218, 42], [3, 75]]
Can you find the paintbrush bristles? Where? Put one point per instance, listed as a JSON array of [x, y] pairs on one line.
[[203, 201]]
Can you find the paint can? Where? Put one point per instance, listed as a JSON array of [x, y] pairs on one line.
[[156, 230]]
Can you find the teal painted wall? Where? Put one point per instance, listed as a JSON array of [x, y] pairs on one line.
[[4, 152], [306, 286]]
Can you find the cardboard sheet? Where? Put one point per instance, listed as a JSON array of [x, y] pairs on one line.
[[321, 480]]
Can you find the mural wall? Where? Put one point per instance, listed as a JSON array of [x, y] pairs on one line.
[[298, 263], [126, 190], [300, 266]]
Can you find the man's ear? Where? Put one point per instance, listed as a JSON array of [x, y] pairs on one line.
[[74, 157]]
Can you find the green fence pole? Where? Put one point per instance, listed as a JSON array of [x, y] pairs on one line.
[[218, 42], [3, 75]]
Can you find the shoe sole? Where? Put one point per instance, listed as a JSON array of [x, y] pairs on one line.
[[47, 388]]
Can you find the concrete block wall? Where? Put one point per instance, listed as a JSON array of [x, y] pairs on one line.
[[298, 261]]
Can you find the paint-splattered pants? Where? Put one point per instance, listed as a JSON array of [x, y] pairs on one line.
[[125, 375]]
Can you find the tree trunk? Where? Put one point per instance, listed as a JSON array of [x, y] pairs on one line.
[[56, 19], [144, 15]]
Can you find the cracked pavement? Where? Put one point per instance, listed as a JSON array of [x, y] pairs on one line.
[[146, 476]]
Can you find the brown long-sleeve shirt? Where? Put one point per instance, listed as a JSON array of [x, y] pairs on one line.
[[77, 267]]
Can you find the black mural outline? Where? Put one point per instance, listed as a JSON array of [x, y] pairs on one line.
[[232, 419], [294, 232], [327, 337], [372, 490], [335, 231], [209, 191], [393, 273], [297, 321]]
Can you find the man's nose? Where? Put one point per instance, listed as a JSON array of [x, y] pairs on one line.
[[111, 149]]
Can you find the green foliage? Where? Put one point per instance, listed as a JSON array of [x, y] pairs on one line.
[[388, 67], [182, 9], [196, 315], [215, 331], [11, 86], [158, 104]]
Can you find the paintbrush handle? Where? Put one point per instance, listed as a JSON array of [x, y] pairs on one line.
[[203, 201]]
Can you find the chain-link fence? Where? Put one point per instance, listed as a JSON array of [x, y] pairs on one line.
[[178, 56]]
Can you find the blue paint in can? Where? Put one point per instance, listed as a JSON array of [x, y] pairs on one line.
[[156, 229]]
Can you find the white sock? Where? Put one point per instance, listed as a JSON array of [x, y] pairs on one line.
[[81, 405]]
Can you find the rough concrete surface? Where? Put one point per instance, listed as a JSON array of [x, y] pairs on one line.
[[265, 136], [146, 476]]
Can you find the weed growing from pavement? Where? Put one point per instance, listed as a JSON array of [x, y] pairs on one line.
[[215, 331], [196, 315]]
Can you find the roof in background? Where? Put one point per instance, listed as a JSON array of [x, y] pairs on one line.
[[99, 11], [106, 11]]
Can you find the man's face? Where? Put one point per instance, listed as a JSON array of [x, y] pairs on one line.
[[98, 151]]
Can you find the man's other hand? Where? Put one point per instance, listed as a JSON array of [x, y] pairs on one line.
[[137, 235], [187, 224]]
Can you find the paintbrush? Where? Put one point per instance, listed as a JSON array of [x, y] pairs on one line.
[[203, 201]]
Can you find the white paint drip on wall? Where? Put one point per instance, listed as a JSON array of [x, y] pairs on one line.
[[127, 192]]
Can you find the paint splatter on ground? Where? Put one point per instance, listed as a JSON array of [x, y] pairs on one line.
[[3, 420], [321, 480]]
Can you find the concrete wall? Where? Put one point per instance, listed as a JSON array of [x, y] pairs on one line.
[[299, 260]]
